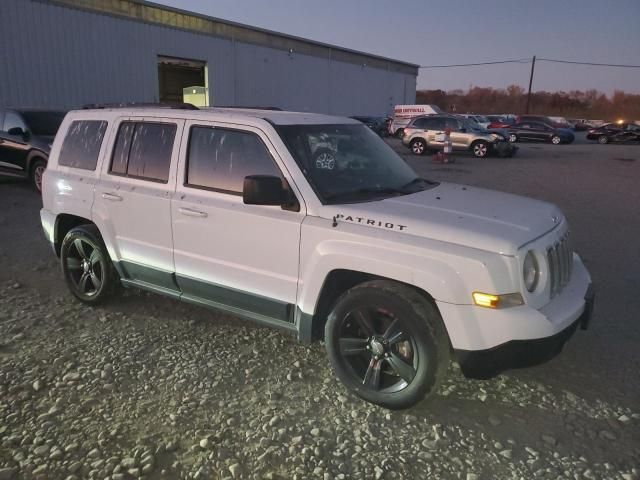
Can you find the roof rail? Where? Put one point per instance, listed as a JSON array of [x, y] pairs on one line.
[[241, 107], [176, 106]]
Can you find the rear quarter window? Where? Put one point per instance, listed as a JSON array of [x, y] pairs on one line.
[[81, 145]]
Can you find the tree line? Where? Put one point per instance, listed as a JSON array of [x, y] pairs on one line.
[[589, 104]]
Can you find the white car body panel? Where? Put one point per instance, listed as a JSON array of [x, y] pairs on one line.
[[449, 241]]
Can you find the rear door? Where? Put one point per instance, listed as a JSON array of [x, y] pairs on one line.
[[227, 253], [133, 200]]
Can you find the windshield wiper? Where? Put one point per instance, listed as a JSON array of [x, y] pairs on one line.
[[418, 181]]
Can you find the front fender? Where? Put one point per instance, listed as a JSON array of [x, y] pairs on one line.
[[449, 273]]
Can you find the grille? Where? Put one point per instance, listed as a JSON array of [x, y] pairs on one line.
[[560, 261]]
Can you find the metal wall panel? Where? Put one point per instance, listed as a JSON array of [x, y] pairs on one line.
[[58, 57]]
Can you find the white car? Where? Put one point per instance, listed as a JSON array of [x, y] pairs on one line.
[[236, 210]]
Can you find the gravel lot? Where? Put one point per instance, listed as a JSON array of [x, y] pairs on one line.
[[147, 387]]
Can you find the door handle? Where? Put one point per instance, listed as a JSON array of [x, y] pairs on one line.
[[192, 213], [112, 197]]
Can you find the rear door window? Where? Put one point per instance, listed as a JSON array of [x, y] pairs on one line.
[[81, 145], [219, 159], [143, 150]]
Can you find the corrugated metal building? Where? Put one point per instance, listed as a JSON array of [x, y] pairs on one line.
[[67, 53]]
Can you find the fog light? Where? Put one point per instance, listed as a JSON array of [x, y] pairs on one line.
[[489, 300]]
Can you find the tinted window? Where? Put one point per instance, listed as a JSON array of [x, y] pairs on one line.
[[143, 150], [81, 146], [122, 147], [452, 123], [13, 120], [420, 123], [220, 158], [436, 124], [43, 123]]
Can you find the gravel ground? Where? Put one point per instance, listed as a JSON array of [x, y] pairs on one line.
[[147, 387]]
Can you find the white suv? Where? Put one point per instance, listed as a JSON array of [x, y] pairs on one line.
[[312, 224]]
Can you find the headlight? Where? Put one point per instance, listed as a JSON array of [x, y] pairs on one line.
[[530, 271]]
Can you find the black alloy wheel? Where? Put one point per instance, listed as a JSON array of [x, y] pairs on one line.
[[86, 265], [378, 349], [387, 343]]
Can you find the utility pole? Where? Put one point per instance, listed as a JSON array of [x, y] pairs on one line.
[[533, 66]]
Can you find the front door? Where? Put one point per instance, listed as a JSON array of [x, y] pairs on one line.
[[133, 200], [13, 148], [228, 253]]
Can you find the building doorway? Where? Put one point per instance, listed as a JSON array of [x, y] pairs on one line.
[[183, 80]]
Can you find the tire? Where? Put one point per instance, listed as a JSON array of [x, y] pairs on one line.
[[556, 140], [513, 138], [480, 149], [399, 133], [603, 139], [418, 146], [38, 166], [86, 266], [372, 329]]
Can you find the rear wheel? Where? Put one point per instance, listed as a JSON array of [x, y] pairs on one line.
[[38, 167], [399, 132], [387, 344], [418, 146], [556, 140], [513, 138], [86, 265], [603, 139], [480, 149]]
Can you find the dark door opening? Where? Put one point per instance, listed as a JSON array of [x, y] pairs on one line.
[[182, 80]]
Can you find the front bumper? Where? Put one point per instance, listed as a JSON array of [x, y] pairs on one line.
[[477, 333], [483, 364]]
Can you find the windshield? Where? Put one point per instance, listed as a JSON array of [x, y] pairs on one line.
[[349, 163], [43, 123]]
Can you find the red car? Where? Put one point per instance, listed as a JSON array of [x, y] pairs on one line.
[[498, 121]]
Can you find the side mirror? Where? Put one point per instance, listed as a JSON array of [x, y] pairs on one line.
[[264, 190], [18, 132], [462, 130]]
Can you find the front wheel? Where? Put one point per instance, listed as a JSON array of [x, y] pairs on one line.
[[480, 149], [603, 139], [387, 344], [556, 140], [513, 138], [86, 265]]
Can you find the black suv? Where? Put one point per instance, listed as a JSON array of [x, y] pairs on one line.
[[25, 142]]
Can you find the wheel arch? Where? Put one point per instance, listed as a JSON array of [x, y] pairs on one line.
[[64, 223], [335, 283], [32, 156]]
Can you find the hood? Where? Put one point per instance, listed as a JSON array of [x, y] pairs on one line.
[[458, 214]]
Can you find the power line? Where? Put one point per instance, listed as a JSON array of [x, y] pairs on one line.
[[522, 60], [617, 65], [526, 60]]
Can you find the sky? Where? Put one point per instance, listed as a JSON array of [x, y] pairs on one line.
[[464, 31]]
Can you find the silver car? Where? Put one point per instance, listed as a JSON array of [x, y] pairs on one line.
[[424, 134]]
